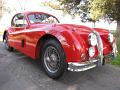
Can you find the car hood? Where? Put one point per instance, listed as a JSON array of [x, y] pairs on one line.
[[83, 29]]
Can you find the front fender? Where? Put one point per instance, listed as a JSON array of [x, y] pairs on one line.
[[73, 46]]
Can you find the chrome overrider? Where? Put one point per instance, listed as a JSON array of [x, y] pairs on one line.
[[91, 63], [99, 46]]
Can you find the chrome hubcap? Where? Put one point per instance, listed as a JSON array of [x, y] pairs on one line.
[[52, 59]]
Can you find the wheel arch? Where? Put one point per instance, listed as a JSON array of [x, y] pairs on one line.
[[42, 40], [4, 35]]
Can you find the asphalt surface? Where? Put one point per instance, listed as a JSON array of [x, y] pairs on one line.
[[19, 72]]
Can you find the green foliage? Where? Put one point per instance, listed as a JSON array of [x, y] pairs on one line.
[[105, 8], [72, 7], [76, 7], [97, 8], [53, 4], [116, 61]]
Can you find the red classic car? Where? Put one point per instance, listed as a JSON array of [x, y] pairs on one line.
[[58, 46]]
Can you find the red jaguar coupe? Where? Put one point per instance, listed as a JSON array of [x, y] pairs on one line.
[[59, 47]]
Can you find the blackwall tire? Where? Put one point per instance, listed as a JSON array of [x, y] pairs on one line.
[[53, 59], [6, 44]]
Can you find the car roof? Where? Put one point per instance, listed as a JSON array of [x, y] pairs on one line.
[[30, 12]]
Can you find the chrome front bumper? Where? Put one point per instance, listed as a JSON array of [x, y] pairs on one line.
[[83, 66], [77, 67]]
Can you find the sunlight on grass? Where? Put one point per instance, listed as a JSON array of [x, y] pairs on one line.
[[116, 61]]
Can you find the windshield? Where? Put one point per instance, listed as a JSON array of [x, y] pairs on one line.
[[42, 18]]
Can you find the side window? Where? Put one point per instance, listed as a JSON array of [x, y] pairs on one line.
[[18, 21]]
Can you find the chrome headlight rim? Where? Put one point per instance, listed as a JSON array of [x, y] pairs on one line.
[[92, 39], [92, 52], [110, 37]]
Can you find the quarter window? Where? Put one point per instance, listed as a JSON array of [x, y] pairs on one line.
[[18, 20]]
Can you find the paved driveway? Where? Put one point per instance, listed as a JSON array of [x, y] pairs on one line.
[[19, 72]]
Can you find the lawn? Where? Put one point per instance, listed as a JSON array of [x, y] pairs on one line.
[[117, 60]]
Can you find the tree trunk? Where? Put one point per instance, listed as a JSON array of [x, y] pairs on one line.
[[118, 29]]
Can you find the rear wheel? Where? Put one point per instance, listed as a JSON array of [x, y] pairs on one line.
[[7, 44], [53, 59]]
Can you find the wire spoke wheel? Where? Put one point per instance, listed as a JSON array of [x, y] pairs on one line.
[[52, 59], [6, 42]]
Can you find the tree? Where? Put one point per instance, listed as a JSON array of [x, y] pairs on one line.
[[53, 4], [106, 8], [72, 7], [76, 7], [3, 8]]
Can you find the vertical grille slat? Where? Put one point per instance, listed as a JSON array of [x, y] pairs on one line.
[[99, 46]]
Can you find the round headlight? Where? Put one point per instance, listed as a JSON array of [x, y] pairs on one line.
[[110, 37], [91, 51], [92, 39]]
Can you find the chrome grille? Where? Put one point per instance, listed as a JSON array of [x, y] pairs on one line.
[[99, 46]]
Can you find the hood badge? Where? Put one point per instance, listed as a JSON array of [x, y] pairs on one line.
[[74, 29]]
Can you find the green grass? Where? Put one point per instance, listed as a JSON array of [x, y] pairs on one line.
[[117, 60], [118, 45]]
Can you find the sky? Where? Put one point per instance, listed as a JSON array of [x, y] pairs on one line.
[[20, 5], [34, 5]]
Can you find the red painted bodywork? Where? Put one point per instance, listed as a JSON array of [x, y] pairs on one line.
[[73, 38]]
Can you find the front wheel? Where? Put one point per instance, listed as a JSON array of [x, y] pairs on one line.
[[7, 44], [53, 59]]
